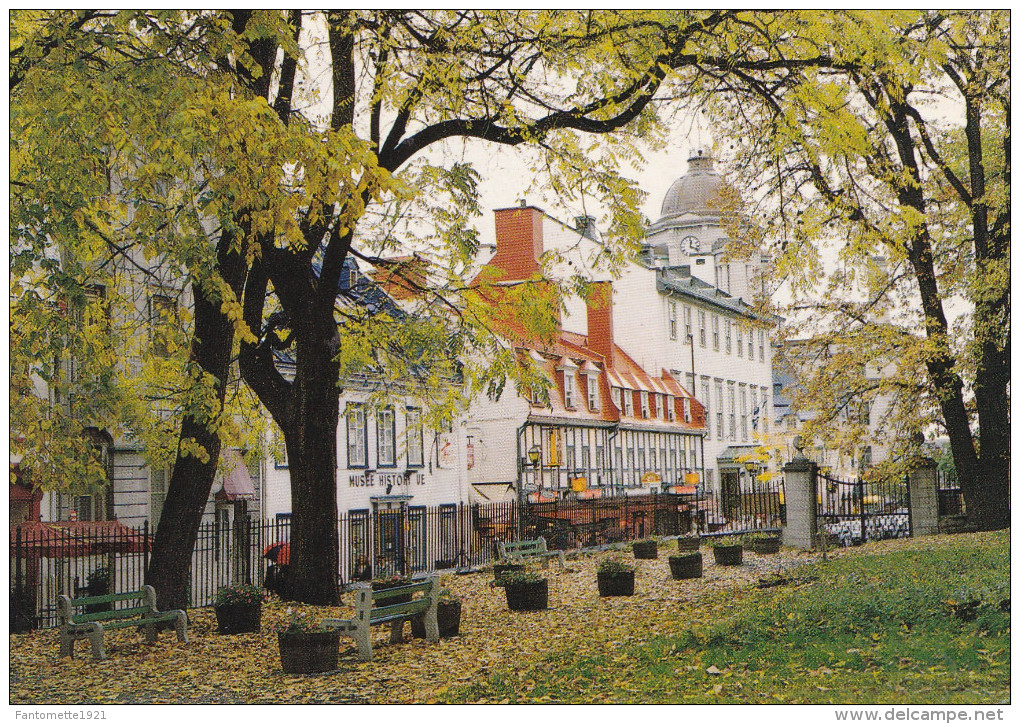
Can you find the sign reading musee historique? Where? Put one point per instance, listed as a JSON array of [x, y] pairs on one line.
[[372, 479]]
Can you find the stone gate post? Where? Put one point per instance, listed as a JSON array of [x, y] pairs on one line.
[[801, 500], [924, 497]]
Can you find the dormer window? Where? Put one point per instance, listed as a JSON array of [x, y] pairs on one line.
[[628, 403], [569, 371], [670, 408], [687, 409], [617, 395], [593, 393], [569, 391], [645, 410]]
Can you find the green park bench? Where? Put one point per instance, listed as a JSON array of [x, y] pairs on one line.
[[521, 550], [91, 624], [372, 610]]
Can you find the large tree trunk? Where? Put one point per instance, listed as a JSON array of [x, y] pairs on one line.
[[312, 455], [988, 507], [169, 570]]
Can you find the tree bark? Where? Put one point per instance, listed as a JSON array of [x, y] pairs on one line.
[[312, 453], [191, 481]]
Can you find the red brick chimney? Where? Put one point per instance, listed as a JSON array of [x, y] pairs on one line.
[[600, 320], [519, 241]]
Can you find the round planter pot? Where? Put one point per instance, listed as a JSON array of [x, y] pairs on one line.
[[527, 596], [729, 555], [310, 652], [238, 618], [616, 584], [689, 565], [688, 543], [646, 550], [765, 546], [448, 616], [501, 568]]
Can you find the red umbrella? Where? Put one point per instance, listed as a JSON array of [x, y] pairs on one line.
[[278, 553]]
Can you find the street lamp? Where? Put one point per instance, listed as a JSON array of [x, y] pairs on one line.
[[534, 453]]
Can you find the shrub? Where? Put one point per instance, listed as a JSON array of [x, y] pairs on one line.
[[518, 577], [240, 594], [752, 538], [298, 622], [615, 565], [725, 543]]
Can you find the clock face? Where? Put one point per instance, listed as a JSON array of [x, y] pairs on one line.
[[690, 244]]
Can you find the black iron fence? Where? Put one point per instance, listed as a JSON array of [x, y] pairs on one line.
[[48, 560], [860, 510], [950, 495]]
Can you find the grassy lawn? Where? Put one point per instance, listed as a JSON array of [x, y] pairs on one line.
[[871, 625], [874, 627]]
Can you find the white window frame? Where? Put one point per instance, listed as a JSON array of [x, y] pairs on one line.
[[569, 389], [670, 408], [687, 409], [628, 403], [386, 437], [715, 332], [415, 438], [672, 320], [593, 393], [357, 436], [645, 409], [702, 334], [688, 329]]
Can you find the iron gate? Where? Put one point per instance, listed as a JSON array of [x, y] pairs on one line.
[[857, 511]]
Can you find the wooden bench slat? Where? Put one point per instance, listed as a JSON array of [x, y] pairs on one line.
[[398, 609], [384, 593], [107, 598], [129, 623], [108, 615]]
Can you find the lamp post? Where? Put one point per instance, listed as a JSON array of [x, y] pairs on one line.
[[534, 455]]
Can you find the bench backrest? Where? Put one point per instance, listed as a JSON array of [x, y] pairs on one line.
[[144, 598], [521, 547], [372, 606]]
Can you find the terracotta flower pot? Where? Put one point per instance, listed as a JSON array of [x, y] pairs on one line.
[[646, 549], [309, 652], [616, 584], [448, 615], [238, 618], [531, 596], [687, 565], [688, 543], [729, 555]]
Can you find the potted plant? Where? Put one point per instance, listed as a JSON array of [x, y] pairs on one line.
[[615, 577], [98, 584], [728, 553], [525, 591], [447, 613], [500, 568], [239, 609], [763, 543], [687, 543], [646, 549], [306, 647], [392, 581], [686, 565]]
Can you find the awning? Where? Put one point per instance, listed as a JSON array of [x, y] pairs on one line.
[[237, 483], [76, 538]]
